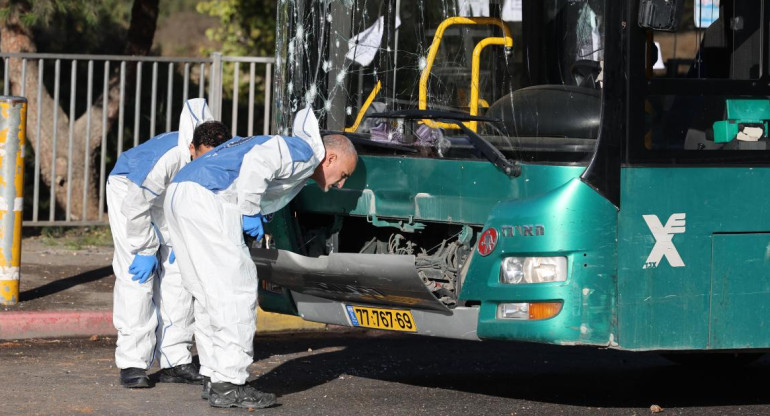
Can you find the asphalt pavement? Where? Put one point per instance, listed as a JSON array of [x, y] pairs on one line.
[[341, 373]]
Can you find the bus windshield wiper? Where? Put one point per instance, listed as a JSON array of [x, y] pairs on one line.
[[489, 151]]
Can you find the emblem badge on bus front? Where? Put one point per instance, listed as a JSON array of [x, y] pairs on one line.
[[664, 246], [487, 242]]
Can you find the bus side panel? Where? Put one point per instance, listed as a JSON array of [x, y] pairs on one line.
[[740, 300], [665, 228]]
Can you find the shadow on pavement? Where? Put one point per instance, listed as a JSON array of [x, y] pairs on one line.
[[64, 284], [579, 376]]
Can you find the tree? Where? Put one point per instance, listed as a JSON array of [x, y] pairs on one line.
[[247, 28], [17, 34]]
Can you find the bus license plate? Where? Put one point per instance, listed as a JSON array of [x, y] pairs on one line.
[[380, 318]]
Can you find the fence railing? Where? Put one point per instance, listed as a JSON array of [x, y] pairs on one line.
[[147, 104]]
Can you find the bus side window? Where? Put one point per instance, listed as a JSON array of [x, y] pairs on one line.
[[725, 44], [722, 41]]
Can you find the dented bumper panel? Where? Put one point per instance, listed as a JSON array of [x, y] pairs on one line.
[[462, 324], [373, 279]]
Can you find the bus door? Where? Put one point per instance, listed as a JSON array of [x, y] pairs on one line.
[[693, 232]]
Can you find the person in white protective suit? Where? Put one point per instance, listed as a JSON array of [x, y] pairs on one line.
[[147, 310], [211, 203]]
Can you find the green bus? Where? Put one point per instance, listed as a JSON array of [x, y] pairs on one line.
[[573, 172]]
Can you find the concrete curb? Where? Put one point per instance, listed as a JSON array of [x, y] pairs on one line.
[[51, 324]]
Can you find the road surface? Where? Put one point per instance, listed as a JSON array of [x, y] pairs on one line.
[[376, 373]]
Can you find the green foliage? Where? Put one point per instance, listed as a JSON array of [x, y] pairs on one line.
[[74, 26], [170, 7], [247, 28]]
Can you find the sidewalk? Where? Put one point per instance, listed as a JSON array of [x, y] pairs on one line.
[[66, 290]]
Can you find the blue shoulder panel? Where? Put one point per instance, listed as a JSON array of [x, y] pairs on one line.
[[218, 168], [300, 150], [136, 163]]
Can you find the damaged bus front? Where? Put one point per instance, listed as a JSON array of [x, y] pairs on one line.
[[479, 207], [566, 171]]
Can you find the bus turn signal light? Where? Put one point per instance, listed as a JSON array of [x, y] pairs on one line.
[[544, 310], [528, 311]]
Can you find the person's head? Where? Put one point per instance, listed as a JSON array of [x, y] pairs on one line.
[[207, 136], [338, 163]]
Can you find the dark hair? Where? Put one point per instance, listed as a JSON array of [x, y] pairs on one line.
[[210, 133]]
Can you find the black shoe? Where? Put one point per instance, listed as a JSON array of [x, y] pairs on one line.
[[233, 395], [206, 388], [183, 373], [134, 378]]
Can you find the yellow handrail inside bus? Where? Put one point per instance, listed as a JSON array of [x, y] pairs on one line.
[[433, 50], [476, 71], [365, 107]]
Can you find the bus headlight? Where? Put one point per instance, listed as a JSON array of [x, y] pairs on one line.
[[516, 270]]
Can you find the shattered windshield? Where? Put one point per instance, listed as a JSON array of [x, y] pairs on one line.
[[532, 69]]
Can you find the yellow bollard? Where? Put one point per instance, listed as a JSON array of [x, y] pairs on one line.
[[13, 121]]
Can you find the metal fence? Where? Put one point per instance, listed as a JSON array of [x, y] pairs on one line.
[[152, 107]]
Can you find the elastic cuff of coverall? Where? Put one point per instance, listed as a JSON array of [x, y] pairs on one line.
[[166, 363], [205, 371], [249, 210], [147, 252], [219, 378], [123, 363]]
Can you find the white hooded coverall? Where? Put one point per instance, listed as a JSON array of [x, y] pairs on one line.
[[206, 202], [159, 309]]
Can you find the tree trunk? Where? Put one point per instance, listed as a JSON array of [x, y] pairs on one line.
[[14, 37]]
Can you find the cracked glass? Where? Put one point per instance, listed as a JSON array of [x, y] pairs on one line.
[[537, 74]]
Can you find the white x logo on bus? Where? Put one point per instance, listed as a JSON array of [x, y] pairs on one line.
[[664, 246]]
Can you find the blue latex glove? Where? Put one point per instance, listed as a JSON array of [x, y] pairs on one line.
[[171, 257], [252, 226], [143, 267]]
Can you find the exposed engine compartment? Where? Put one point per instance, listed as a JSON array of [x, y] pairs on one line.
[[440, 250]]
